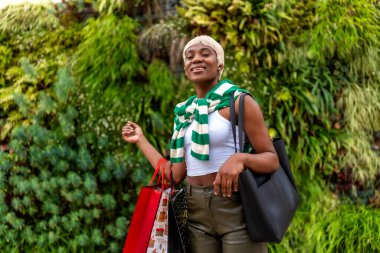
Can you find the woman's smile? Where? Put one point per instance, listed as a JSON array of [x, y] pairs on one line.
[[197, 69]]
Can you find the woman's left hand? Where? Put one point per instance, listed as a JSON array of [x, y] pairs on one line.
[[228, 175]]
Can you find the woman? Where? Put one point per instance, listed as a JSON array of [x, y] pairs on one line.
[[203, 152]]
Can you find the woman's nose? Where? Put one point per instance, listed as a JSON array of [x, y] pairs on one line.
[[197, 58]]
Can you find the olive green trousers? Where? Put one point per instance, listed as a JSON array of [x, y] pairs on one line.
[[216, 223]]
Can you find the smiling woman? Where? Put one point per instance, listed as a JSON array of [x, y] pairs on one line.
[[203, 152]]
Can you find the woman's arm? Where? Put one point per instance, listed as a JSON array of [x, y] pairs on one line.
[[132, 133], [264, 161]]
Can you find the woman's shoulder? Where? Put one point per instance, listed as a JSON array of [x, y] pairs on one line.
[[250, 103]]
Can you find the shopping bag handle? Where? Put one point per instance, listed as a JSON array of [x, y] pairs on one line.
[[158, 167], [161, 165], [162, 176]]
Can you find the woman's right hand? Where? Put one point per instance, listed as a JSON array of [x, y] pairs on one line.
[[132, 132]]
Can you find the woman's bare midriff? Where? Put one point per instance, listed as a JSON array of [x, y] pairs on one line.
[[205, 180]]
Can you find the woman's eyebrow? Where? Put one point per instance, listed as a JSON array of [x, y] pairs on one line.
[[201, 50], [205, 49]]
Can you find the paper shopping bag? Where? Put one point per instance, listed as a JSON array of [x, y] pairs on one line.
[[158, 241], [144, 216]]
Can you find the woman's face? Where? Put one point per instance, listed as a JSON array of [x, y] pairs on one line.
[[201, 65]]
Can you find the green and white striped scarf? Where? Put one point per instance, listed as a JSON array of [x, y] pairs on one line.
[[197, 109]]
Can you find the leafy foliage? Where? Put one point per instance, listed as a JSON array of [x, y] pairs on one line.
[[106, 56], [64, 166], [110, 6], [162, 40], [362, 119], [69, 184], [323, 224], [17, 19], [251, 28], [30, 61], [343, 30], [114, 85], [60, 185]]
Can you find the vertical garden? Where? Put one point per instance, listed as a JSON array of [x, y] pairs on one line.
[[72, 74]]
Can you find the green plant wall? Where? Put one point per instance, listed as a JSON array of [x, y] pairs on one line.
[[68, 182], [72, 75]]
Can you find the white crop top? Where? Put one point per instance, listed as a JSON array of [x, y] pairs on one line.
[[221, 146]]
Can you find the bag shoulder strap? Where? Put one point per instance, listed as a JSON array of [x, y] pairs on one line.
[[233, 118], [240, 119]]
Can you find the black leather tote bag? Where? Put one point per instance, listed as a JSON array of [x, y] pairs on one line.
[[178, 238], [269, 200]]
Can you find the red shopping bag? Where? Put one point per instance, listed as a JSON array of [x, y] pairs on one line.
[[144, 215]]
